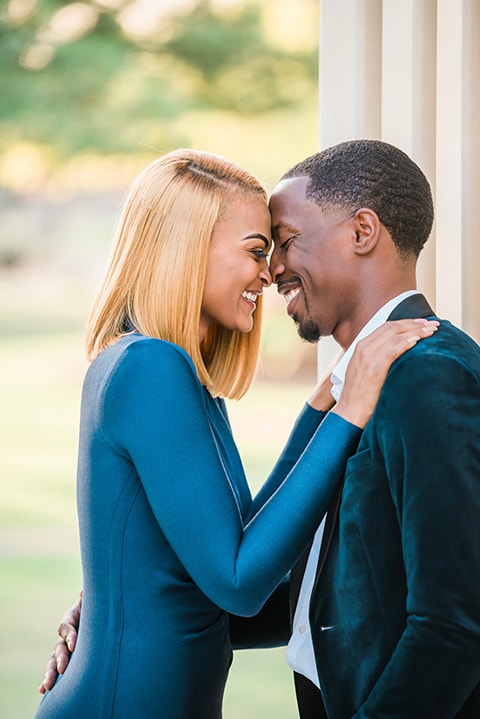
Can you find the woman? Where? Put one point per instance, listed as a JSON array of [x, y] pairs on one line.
[[171, 538]]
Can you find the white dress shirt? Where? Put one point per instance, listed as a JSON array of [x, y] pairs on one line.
[[300, 652]]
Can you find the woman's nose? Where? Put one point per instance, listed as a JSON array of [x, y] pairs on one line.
[[265, 276]]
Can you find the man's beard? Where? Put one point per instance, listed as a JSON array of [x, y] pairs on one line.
[[308, 330]]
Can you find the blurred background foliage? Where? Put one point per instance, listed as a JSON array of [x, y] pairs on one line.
[[121, 77], [87, 60], [90, 92]]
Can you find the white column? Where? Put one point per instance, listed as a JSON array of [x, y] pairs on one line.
[[349, 87], [349, 70], [449, 112], [408, 97], [408, 72], [471, 164]]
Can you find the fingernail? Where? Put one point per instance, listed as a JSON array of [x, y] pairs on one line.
[[415, 338], [431, 328]]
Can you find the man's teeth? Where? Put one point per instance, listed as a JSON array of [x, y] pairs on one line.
[[250, 296], [291, 294]]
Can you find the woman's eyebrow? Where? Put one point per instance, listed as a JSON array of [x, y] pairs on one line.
[[258, 235]]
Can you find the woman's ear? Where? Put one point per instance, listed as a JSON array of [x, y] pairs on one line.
[[367, 228]]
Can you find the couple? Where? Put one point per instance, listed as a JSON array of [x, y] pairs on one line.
[[385, 600]]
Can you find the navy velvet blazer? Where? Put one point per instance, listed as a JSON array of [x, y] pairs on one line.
[[396, 604], [395, 610]]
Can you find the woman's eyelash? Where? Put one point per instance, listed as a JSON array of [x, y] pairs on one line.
[[260, 253]]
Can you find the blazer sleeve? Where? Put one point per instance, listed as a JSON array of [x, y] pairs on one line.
[[156, 417], [270, 628], [429, 435]]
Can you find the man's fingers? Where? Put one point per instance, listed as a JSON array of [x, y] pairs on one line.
[[62, 655], [68, 633], [50, 674], [56, 664], [59, 658]]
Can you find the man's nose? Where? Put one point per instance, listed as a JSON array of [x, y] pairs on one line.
[[277, 268]]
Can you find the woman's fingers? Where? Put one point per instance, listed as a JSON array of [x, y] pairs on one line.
[[370, 362], [378, 351]]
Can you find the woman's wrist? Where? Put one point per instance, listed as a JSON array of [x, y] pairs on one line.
[[322, 399], [355, 415]]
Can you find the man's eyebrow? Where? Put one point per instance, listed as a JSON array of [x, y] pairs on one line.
[[283, 226], [257, 235]]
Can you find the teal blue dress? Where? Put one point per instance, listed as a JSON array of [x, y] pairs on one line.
[[171, 538]]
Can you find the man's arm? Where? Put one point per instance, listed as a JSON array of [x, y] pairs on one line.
[[429, 434], [267, 629], [59, 658]]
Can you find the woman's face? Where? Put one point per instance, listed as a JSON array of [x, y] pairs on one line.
[[237, 269]]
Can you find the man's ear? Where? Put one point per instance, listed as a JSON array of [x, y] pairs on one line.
[[367, 227]]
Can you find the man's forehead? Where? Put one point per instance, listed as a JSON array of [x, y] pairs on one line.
[[290, 189], [289, 205]]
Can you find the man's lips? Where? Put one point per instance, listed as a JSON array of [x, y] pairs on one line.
[[290, 292]]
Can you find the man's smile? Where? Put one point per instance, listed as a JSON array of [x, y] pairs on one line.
[[289, 291]]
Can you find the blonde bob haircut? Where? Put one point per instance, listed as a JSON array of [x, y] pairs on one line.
[[155, 277]]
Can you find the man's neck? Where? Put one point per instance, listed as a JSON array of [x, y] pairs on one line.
[[346, 332], [377, 319]]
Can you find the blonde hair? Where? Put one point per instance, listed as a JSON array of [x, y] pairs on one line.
[[155, 277]]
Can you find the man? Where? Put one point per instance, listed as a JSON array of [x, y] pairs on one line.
[[387, 623], [386, 604]]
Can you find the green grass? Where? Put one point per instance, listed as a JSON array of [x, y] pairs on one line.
[[33, 590], [42, 365]]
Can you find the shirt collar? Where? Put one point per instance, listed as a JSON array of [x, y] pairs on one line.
[[381, 316]]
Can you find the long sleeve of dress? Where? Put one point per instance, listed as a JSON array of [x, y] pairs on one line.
[[155, 415]]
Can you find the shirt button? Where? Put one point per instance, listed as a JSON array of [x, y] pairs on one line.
[[301, 629]]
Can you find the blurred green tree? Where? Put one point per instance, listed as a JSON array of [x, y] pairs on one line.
[[100, 75]]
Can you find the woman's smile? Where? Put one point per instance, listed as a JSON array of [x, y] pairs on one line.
[[237, 270], [251, 298]]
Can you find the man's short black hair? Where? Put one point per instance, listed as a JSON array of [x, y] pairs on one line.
[[377, 175]]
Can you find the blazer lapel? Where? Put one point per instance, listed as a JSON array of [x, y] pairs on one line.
[[298, 570], [413, 306], [329, 527]]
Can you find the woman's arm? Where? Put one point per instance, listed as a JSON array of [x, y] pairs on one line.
[[158, 418], [155, 413], [387, 345]]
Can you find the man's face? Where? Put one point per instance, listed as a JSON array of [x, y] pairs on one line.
[[313, 263]]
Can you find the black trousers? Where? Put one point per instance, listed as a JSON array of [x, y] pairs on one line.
[[309, 699]]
